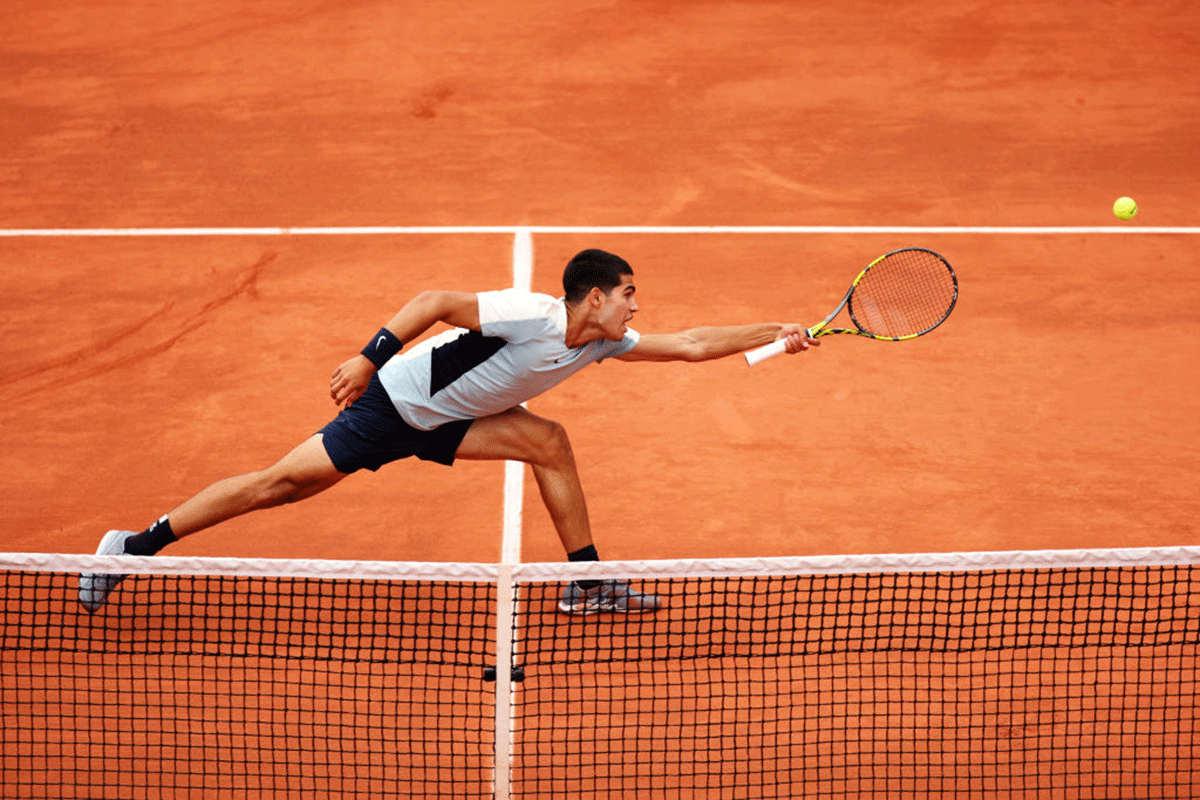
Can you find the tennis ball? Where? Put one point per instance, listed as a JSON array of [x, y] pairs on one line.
[[1125, 208]]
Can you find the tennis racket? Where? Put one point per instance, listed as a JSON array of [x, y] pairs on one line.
[[900, 295]]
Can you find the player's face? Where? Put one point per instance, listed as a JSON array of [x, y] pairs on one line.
[[618, 309]]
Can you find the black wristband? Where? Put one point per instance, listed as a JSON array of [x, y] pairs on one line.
[[382, 347]]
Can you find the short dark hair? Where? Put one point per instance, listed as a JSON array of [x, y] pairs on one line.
[[593, 269]]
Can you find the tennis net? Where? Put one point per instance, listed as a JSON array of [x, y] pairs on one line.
[[1043, 674]]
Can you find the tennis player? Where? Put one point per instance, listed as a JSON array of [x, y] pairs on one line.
[[459, 395]]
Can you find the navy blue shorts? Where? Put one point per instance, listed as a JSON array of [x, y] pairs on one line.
[[371, 433]]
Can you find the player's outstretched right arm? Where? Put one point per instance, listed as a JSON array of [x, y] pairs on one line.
[[707, 343]]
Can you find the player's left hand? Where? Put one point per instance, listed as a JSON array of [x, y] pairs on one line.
[[350, 380]]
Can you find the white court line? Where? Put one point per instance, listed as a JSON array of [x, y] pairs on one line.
[[507, 603], [514, 230], [514, 471]]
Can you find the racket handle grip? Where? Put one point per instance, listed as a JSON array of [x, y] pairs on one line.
[[766, 351]]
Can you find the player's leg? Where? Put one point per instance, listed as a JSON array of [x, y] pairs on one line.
[[518, 435], [305, 471]]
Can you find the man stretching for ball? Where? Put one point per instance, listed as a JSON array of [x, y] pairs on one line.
[[459, 395]]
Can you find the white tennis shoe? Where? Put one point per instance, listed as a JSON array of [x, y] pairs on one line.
[[613, 597], [94, 588]]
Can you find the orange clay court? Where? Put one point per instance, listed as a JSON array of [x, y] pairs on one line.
[[1054, 410]]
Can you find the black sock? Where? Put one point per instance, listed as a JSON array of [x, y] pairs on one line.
[[585, 554], [151, 540]]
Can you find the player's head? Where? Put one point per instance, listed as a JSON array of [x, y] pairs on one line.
[[593, 269]]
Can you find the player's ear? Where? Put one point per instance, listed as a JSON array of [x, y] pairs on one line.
[[595, 297]]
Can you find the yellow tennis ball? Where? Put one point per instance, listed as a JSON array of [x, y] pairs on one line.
[[1125, 207]]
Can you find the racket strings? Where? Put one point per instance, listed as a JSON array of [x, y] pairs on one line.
[[904, 294]]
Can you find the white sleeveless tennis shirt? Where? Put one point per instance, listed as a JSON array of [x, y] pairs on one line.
[[518, 353]]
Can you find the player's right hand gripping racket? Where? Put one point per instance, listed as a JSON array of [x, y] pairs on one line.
[[900, 295]]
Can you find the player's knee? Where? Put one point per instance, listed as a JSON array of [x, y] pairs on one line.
[[269, 489], [554, 446]]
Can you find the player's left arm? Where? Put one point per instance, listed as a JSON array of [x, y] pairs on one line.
[[710, 342], [458, 309]]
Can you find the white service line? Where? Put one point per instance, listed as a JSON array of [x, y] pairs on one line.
[[518, 231], [514, 471], [507, 603]]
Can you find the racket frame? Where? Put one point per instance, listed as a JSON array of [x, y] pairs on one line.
[[779, 346]]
